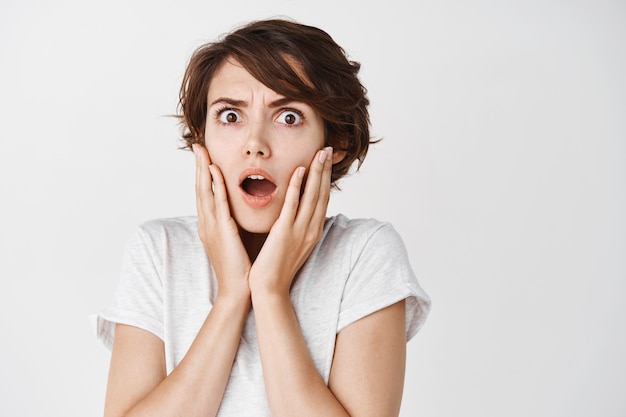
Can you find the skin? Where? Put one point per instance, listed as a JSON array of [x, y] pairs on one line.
[[256, 252]]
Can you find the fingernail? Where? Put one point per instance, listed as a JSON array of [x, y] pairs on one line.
[[300, 172], [329, 153], [322, 155]]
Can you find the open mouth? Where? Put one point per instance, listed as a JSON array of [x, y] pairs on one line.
[[258, 186]]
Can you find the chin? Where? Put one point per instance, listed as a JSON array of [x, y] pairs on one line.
[[255, 229], [256, 224]]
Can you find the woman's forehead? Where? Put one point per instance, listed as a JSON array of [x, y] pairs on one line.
[[234, 81], [233, 77]]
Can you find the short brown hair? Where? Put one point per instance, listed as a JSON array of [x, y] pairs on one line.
[[267, 50]]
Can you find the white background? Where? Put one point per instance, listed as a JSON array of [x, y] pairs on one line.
[[503, 167]]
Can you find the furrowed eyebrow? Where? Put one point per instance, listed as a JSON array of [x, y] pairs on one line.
[[229, 101], [242, 103], [281, 102]]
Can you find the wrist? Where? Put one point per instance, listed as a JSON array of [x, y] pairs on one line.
[[234, 300], [268, 294]]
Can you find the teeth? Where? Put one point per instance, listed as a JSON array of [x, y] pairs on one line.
[[256, 177]]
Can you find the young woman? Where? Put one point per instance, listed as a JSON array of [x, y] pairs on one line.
[[261, 305]]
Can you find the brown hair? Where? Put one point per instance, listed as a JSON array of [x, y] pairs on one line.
[[267, 49]]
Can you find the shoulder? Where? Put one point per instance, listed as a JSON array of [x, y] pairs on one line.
[[168, 224], [160, 236], [168, 228], [376, 269], [164, 247], [359, 232]]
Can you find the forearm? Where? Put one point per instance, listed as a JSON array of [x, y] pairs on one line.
[[196, 386], [293, 384]]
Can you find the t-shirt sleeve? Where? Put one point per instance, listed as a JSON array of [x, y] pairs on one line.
[[138, 300], [381, 276]]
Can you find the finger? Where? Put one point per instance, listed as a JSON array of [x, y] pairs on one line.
[[204, 193], [292, 196], [219, 193], [324, 191], [311, 194]]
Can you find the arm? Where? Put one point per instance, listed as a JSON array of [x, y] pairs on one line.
[[367, 375], [293, 385], [138, 385]]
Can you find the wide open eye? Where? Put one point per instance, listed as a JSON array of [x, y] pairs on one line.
[[290, 117], [228, 116]]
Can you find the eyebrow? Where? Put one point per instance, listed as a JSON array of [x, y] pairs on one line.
[[242, 103]]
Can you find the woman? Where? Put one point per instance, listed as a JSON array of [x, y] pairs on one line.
[[260, 305]]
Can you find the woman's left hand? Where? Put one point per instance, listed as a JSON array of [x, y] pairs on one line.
[[297, 229]]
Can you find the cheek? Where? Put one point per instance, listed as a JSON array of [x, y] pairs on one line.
[[301, 160], [306, 149], [216, 152], [307, 156]]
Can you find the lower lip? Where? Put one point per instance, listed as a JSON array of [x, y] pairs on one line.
[[257, 201]]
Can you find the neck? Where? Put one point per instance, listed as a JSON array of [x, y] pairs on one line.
[[253, 242]]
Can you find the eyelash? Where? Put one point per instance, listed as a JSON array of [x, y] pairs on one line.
[[220, 111], [296, 111]]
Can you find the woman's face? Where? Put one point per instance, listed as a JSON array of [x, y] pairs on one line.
[[257, 138]]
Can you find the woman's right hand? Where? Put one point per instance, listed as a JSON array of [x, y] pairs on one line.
[[218, 231]]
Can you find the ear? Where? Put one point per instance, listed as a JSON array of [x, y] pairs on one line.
[[338, 156]]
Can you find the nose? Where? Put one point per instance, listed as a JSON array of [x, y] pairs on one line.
[[256, 143]]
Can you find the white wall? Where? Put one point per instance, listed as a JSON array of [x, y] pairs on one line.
[[503, 167]]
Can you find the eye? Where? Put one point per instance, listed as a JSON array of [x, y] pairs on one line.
[[290, 117], [228, 116]]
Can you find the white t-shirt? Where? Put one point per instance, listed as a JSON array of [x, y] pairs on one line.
[[167, 287]]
